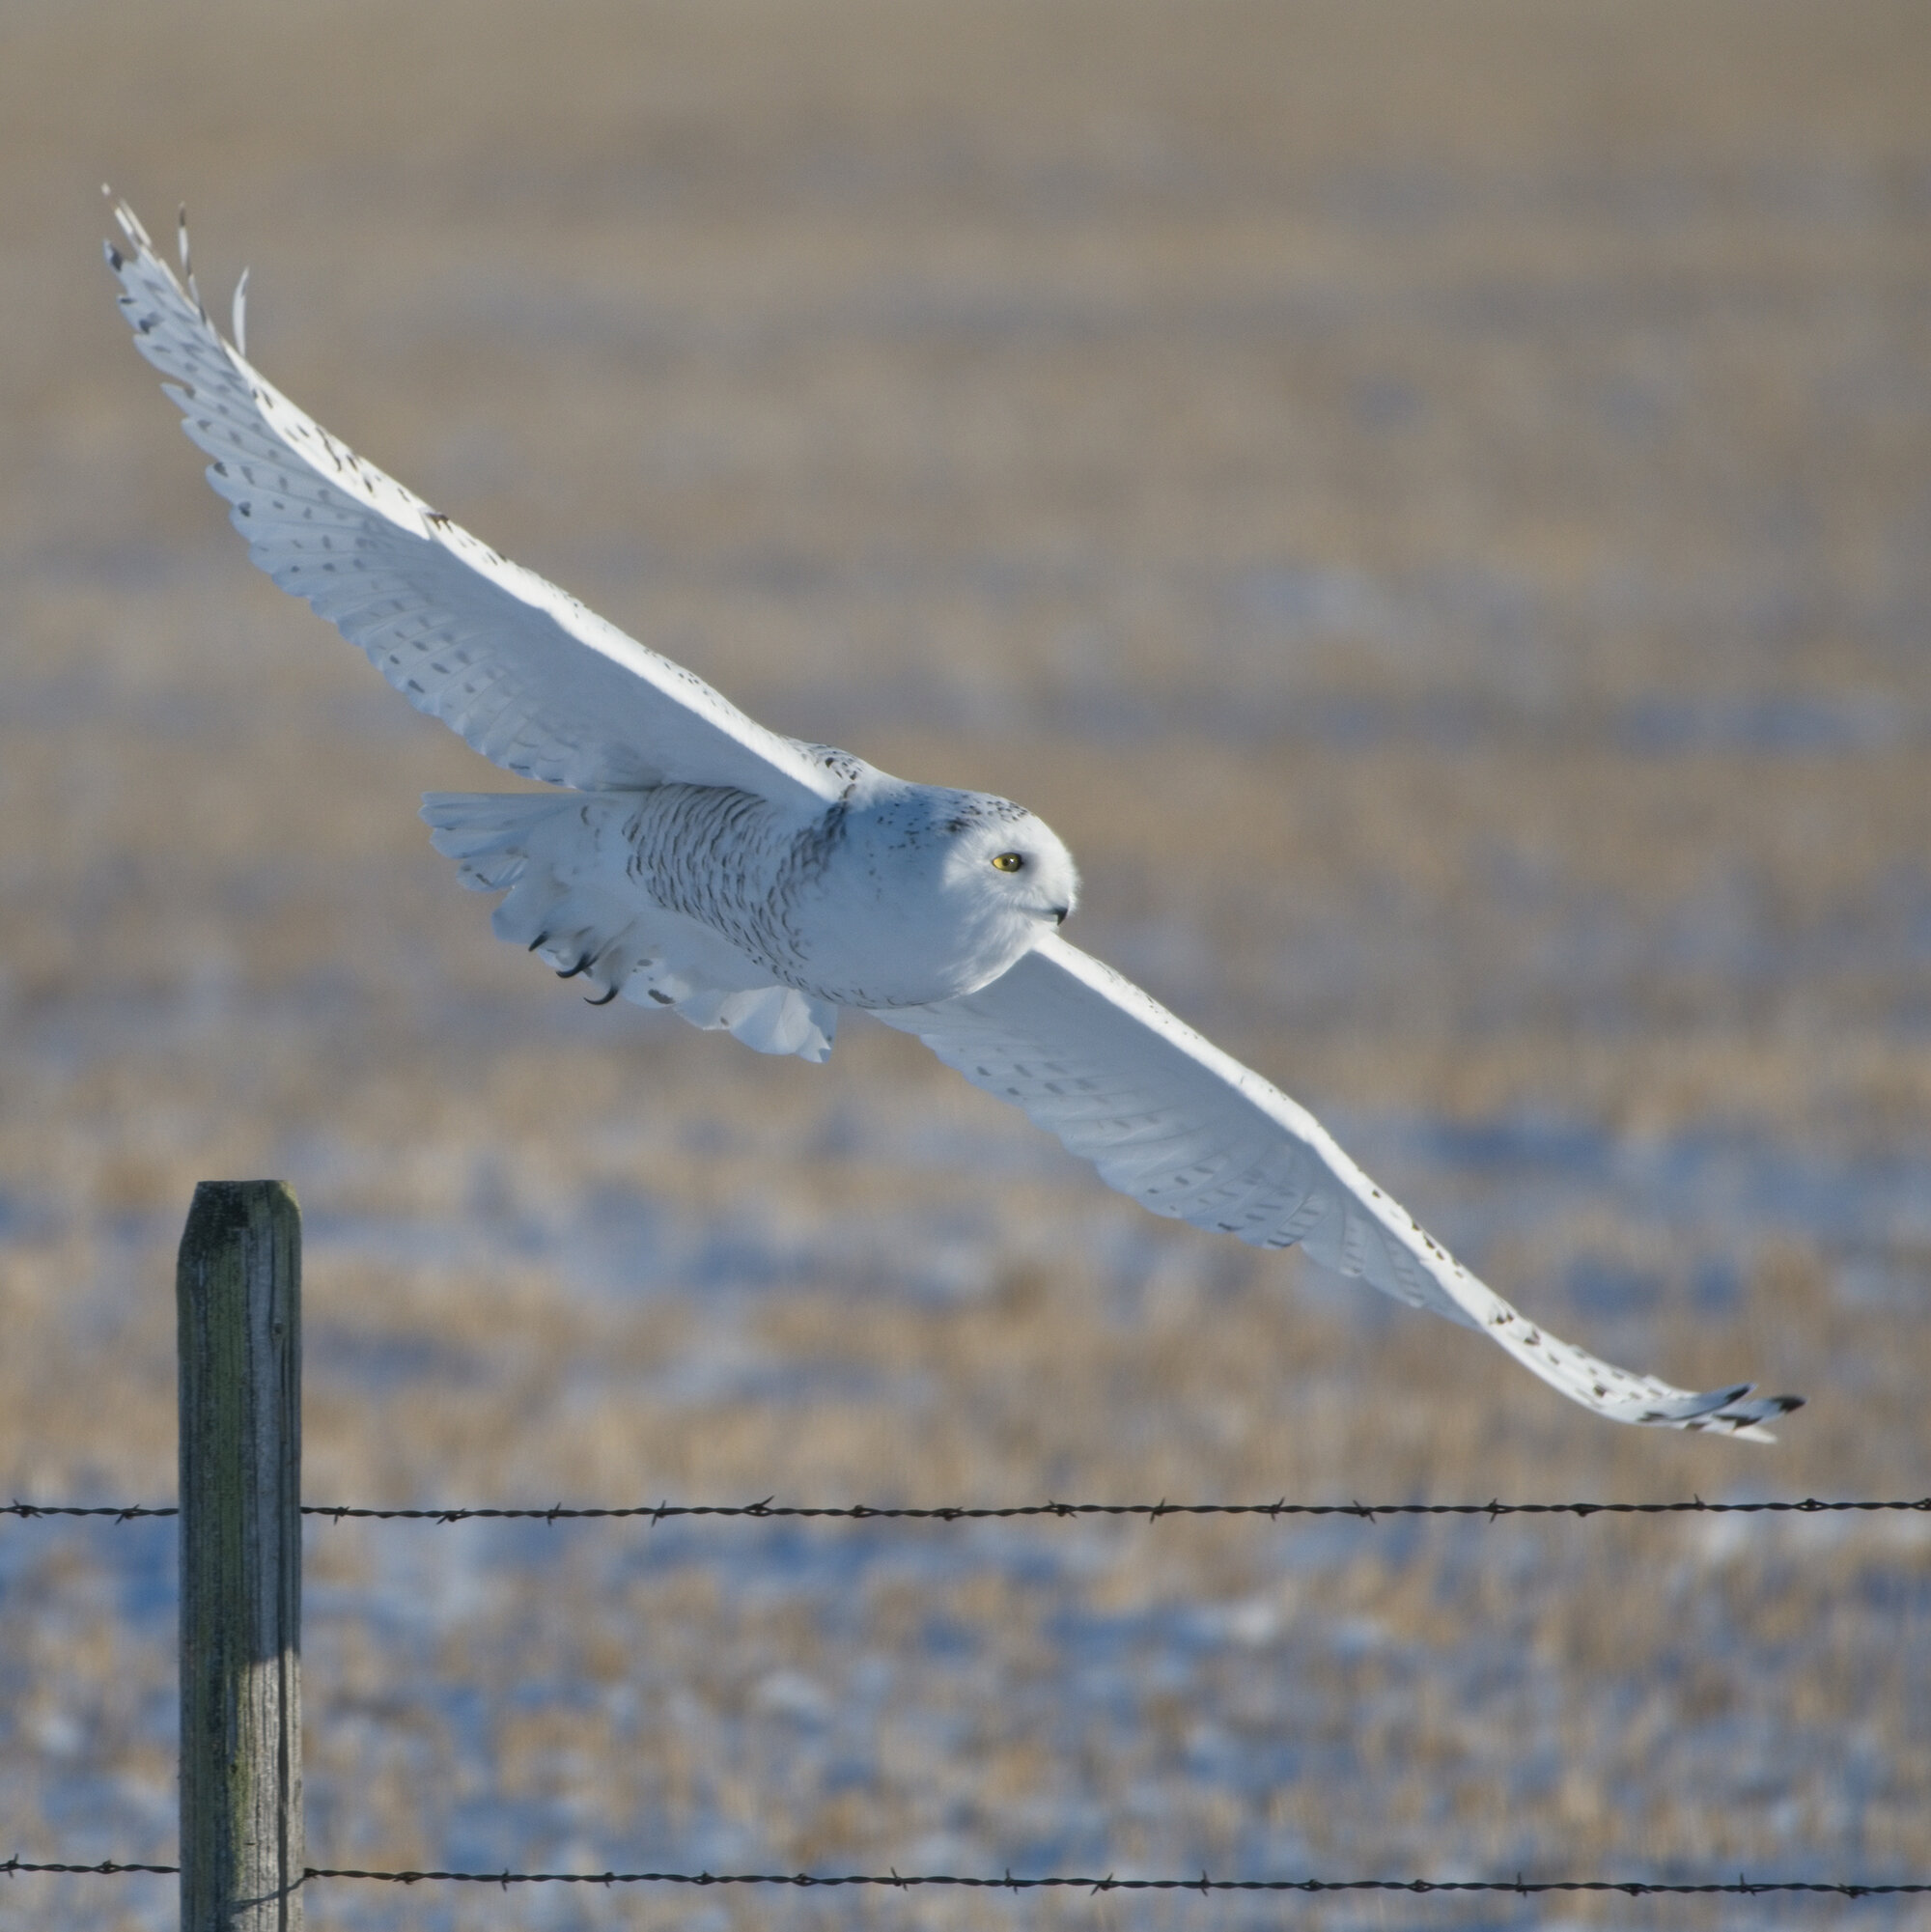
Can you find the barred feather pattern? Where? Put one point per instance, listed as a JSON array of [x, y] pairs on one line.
[[568, 867]]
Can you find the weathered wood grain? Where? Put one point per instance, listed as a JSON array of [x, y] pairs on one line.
[[239, 1300]]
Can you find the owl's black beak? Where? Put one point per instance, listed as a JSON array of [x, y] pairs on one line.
[[1059, 913]]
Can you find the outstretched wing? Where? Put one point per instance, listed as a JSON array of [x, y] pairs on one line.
[[521, 670], [1184, 1129]]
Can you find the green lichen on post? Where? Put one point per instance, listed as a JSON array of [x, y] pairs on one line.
[[238, 1311]]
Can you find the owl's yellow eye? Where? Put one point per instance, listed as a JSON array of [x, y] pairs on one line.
[[1009, 862]]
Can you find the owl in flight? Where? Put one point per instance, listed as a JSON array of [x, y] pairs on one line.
[[690, 858]]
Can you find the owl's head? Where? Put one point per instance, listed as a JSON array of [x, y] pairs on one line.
[[1000, 854], [932, 892]]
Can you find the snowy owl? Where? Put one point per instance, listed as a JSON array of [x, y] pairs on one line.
[[692, 860]]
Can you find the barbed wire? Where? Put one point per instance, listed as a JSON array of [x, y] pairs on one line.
[[771, 1510], [120, 1512], [110, 1867], [1742, 1886]]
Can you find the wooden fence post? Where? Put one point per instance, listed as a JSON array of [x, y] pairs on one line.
[[238, 1294]]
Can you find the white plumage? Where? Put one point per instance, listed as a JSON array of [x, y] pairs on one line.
[[756, 883]]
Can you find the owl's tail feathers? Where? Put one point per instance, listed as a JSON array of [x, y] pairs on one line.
[[548, 852], [561, 859]]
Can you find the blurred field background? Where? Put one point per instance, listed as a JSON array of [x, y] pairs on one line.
[[1434, 503]]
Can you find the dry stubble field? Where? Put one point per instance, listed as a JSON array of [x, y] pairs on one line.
[[1433, 502]]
